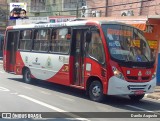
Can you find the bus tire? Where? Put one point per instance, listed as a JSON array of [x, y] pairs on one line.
[[27, 76], [136, 97], [96, 91]]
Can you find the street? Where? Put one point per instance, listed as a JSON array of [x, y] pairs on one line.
[[40, 96]]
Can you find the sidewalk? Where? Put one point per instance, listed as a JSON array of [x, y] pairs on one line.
[[155, 95]]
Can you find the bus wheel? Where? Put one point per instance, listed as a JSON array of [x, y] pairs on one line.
[[136, 97], [27, 76], [96, 91]]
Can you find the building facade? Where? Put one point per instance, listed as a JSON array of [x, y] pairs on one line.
[[125, 7], [100, 8], [3, 16]]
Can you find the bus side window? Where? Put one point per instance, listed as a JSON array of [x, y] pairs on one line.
[[96, 49], [44, 40], [36, 43], [54, 46], [25, 42], [41, 40], [60, 41]]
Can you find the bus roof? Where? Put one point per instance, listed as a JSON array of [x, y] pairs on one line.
[[76, 22]]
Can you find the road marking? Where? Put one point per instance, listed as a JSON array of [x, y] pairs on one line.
[[138, 108], [4, 89], [52, 107]]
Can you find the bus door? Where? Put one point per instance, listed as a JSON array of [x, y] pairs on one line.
[[11, 48], [78, 52]]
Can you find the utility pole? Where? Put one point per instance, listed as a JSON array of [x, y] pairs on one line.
[[77, 10], [106, 8]]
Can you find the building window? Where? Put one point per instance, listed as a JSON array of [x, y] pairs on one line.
[[72, 4], [38, 5], [15, 0]]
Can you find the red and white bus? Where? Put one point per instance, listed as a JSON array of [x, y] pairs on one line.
[[101, 57]]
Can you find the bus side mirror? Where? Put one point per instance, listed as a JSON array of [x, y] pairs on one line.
[[88, 37]]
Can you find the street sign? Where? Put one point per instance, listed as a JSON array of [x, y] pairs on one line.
[[32, 20]]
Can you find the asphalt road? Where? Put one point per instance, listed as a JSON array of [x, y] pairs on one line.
[[40, 96]]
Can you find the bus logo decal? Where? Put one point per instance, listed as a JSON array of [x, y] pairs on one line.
[[63, 59], [26, 59], [49, 63], [139, 73], [36, 60], [148, 72], [60, 58]]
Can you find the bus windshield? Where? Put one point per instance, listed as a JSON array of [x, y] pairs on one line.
[[127, 43]]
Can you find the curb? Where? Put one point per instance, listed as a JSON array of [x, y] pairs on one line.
[[153, 96]]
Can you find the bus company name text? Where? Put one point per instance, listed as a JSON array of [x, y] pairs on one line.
[[50, 25]]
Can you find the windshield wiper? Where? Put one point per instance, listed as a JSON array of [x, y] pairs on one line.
[[145, 57]]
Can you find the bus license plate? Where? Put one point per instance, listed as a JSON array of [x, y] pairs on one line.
[[139, 92]]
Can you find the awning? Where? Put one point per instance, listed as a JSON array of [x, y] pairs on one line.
[[139, 22], [140, 26]]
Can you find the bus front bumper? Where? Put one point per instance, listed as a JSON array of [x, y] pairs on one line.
[[118, 86]]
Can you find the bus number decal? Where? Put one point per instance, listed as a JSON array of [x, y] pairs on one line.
[[65, 68], [49, 63]]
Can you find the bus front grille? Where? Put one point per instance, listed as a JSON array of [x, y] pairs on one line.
[[137, 87], [132, 77], [136, 77]]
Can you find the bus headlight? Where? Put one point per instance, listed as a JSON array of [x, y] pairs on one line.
[[117, 73], [154, 75]]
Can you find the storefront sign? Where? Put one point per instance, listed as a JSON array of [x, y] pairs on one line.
[[153, 44], [149, 29]]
